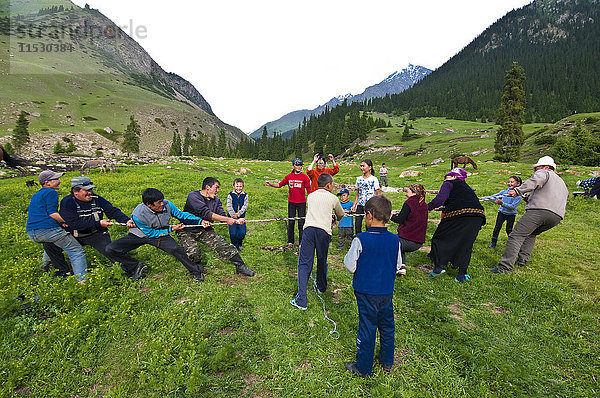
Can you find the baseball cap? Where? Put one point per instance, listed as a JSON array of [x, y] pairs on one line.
[[343, 191], [297, 162], [48, 175], [82, 183]]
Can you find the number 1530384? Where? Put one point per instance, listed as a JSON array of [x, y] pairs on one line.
[[42, 47]]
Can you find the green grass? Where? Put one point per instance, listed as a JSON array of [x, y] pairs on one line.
[[532, 333]]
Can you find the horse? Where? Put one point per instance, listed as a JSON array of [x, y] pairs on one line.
[[10, 162], [99, 163], [464, 160]]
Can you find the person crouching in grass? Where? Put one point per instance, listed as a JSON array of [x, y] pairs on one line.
[[373, 258], [316, 238]]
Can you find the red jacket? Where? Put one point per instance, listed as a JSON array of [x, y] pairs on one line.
[[314, 175], [298, 183]]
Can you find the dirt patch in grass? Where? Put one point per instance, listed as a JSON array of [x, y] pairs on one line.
[[425, 249], [427, 268], [225, 330], [304, 365], [435, 221], [236, 279], [182, 300], [494, 309], [254, 387], [459, 314], [23, 391], [160, 276], [400, 354], [143, 289]]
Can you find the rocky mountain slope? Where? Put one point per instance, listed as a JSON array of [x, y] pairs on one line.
[[76, 72]]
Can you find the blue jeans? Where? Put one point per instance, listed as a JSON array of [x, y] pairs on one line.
[[68, 243], [374, 313]]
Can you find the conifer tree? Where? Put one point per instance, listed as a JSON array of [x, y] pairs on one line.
[[222, 145], [187, 142], [175, 149], [511, 116], [20, 134], [212, 147], [131, 137], [263, 149]]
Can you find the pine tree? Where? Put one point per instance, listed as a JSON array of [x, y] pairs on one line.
[[511, 116], [263, 149], [131, 137], [212, 147], [20, 134], [187, 142], [222, 145], [175, 149]]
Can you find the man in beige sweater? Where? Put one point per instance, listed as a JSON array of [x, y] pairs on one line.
[[316, 238], [545, 209]]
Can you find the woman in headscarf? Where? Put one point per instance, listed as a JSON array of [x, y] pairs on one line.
[[412, 220], [462, 218]]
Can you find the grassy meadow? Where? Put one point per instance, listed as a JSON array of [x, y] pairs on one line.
[[531, 333]]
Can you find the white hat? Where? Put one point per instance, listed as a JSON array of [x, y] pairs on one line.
[[545, 161]]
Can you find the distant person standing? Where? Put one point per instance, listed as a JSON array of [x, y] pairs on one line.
[[299, 184], [237, 204], [383, 172], [314, 174], [508, 208], [345, 225], [367, 186], [546, 207]]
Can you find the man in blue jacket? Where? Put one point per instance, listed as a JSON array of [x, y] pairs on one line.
[[152, 226], [44, 225], [84, 212]]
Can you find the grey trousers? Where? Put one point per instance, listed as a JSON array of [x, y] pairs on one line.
[[522, 238], [408, 246]]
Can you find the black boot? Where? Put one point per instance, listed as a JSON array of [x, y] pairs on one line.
[[240, 267], [199, 276]]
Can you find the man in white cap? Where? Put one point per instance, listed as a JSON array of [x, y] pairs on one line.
[[84, 212], [545, 208], [44, 224]]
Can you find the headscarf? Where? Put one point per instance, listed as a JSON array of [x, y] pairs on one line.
[[458, 172], [419, 189]]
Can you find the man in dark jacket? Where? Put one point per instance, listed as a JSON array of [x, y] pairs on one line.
[[206, 205], [84, 212]]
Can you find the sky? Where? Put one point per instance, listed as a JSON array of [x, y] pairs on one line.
[[254, 61]]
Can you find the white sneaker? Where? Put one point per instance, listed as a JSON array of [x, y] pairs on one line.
[[401, 271]]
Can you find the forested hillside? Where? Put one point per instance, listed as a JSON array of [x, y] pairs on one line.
[[556, 42]]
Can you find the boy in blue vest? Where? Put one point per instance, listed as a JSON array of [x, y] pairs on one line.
[[237, 204], [373, 259], [346, 224], [152, 226]]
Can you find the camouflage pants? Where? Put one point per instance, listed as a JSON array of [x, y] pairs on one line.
[[188, 238]]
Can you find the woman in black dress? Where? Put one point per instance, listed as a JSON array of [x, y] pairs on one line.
[[462, 218]]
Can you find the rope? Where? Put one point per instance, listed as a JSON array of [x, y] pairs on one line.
[[493, 198], [249, 221], [334, 334]]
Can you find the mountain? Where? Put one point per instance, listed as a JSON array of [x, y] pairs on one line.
[[557, 42], [75, 71], [394, 83]]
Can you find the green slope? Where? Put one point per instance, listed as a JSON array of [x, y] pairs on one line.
[[85, 84]]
